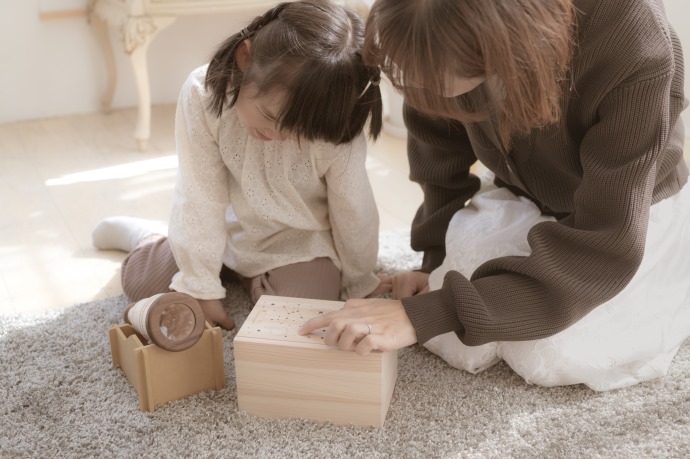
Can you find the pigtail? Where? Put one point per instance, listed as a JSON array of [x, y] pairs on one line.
[[304, 48], [223, 76], [368, 105], [371, 99]]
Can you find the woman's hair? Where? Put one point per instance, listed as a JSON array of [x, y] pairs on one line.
[[525, 45], [310, 50]]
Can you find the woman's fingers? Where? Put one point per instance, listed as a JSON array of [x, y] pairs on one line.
[[343, 333], [365, 325], [370, 344], [336, 321], [385, 285], [350, 335], [320, 321], [409, 284], [385, 279]]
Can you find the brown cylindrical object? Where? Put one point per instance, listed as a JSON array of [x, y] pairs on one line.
[[173, 321]]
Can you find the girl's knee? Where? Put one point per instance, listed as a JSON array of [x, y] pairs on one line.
[[137, 287], [317, 279], [147, 271], [138, 291]]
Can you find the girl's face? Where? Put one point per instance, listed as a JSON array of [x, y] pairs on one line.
[[258, 114]]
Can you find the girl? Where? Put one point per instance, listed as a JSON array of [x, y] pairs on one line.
[[573, 269], [272, 184]]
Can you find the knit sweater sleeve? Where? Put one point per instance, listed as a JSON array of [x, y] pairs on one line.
[[440, 156], [197, 224], [585, 259], [354, 218]]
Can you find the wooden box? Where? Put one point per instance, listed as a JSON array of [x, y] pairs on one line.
[[160, 376], [281, 374]]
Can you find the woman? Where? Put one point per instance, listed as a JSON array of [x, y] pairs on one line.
[[574, 106]]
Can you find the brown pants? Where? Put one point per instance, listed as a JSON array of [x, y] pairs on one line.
[[149, 269]]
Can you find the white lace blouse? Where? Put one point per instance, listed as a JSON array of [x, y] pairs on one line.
[[257, 205]]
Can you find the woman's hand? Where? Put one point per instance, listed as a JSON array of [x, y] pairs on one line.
[[365, 325], [385, 285], [408, 284], [215, 314]]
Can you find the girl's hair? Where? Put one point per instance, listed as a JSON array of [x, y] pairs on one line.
[[525, 45], [310, 50]]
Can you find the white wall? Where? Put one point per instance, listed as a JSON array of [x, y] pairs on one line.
[[678, 12], [53, 67]]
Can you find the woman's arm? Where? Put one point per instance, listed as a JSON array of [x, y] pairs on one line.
[[581, 261], [440, 156]]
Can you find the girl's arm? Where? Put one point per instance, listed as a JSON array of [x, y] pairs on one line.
[[197, 224], [354, 219]]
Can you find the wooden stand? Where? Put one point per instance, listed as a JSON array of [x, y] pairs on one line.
[[281, 374], [160, 376]]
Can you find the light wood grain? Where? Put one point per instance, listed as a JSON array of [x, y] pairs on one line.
[[160, 376], [280, 374]]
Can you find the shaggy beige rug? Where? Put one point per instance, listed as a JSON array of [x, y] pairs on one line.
[[60, 397]]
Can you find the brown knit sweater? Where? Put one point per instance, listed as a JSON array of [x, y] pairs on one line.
[[617, 150]]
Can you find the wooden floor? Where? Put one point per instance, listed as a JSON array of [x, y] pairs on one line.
[[59, 177]]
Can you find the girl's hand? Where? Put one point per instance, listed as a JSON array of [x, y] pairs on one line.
[[215, 314], [365, 325], [409, 284]]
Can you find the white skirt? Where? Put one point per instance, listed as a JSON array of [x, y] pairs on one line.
[[630, 338]]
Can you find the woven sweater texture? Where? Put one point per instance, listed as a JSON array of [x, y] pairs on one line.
[[617, 150]]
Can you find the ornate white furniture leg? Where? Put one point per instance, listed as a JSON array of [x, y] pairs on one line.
[[138, 34], [100, 28], [138, 22]]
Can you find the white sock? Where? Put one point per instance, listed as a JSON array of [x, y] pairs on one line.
[[125, 233]]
